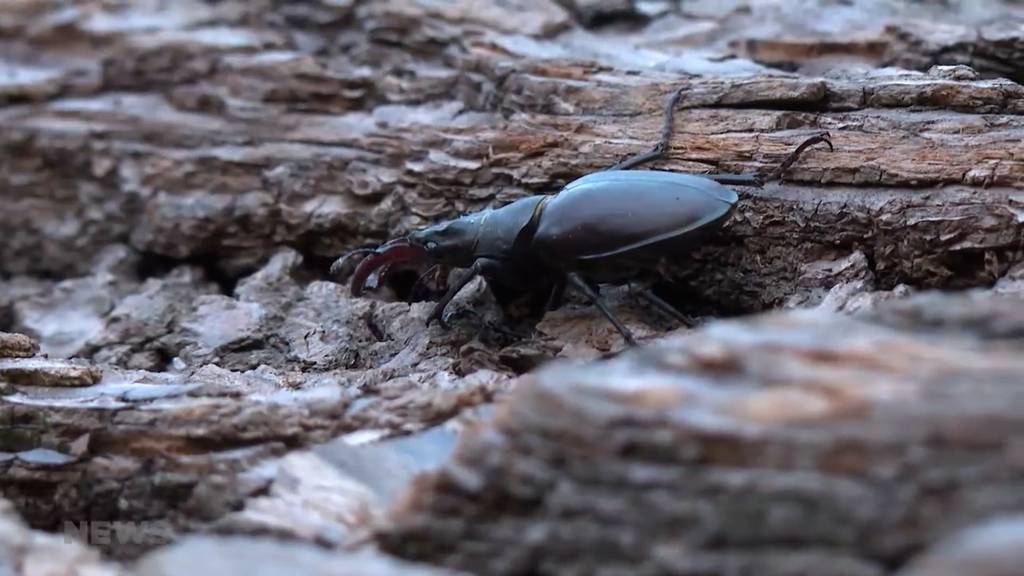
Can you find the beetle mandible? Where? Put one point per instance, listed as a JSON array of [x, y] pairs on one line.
[[603, 228]]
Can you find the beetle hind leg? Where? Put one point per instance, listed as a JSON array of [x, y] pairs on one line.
[[554, 299], [580, 284], [665, 308], [757, 181], [822, 138]]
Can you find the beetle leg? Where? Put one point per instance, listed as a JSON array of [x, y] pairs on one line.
[[438, 312], [752, 180], [578, 283], [557, 292], [661, 147], [666, 308], [421, 282], [480, 266], [734, 179], [824, 137]]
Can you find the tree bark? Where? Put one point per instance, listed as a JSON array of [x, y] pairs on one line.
[[222, 145], [802, 442], [176, 177]]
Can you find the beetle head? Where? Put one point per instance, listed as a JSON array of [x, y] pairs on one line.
[[452, 243]]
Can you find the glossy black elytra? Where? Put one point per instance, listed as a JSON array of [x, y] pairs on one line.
[[603, 228]]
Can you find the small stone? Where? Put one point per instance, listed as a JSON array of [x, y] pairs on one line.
[[45, 372], [44, 457], [17, 346], [248, 556], [958, 72], [992, 548]]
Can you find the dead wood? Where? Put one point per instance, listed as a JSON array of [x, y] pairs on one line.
[[175, 178], [801, 442], [192, 146]]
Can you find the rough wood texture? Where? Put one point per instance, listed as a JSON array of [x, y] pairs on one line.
[[175, 178], [992, 548], [273, 369], [219, 132], [25, 552], [800, 442], [140, 445]]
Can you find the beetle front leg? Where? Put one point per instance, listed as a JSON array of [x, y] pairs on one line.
[[578, 283], [481, 266], [438, 274]]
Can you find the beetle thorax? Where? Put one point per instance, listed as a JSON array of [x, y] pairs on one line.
[[496, 234], [506, 232]]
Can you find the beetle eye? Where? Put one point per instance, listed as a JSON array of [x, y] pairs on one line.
[[431, 246]]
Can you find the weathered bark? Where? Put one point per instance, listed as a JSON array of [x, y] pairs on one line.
[[221, 152], [245, 556], [25, 552], [137, 446], [175, 178], [801, 442], [254, 377], [812, 37], [992, 548]]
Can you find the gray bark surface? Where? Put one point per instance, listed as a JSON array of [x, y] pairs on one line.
[[176, 177], [795, 443]]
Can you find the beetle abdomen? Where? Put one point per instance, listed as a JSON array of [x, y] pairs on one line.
[[622, 212]]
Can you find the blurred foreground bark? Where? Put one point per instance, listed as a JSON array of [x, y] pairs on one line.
[[795, 443]]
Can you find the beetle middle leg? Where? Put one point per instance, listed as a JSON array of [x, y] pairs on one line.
[[580, 284]]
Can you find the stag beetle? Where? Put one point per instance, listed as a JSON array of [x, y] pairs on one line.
[[603, 228]]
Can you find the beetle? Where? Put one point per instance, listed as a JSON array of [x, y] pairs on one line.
[[603, 228]]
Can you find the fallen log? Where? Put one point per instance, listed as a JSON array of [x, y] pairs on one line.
[[795, 442]]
